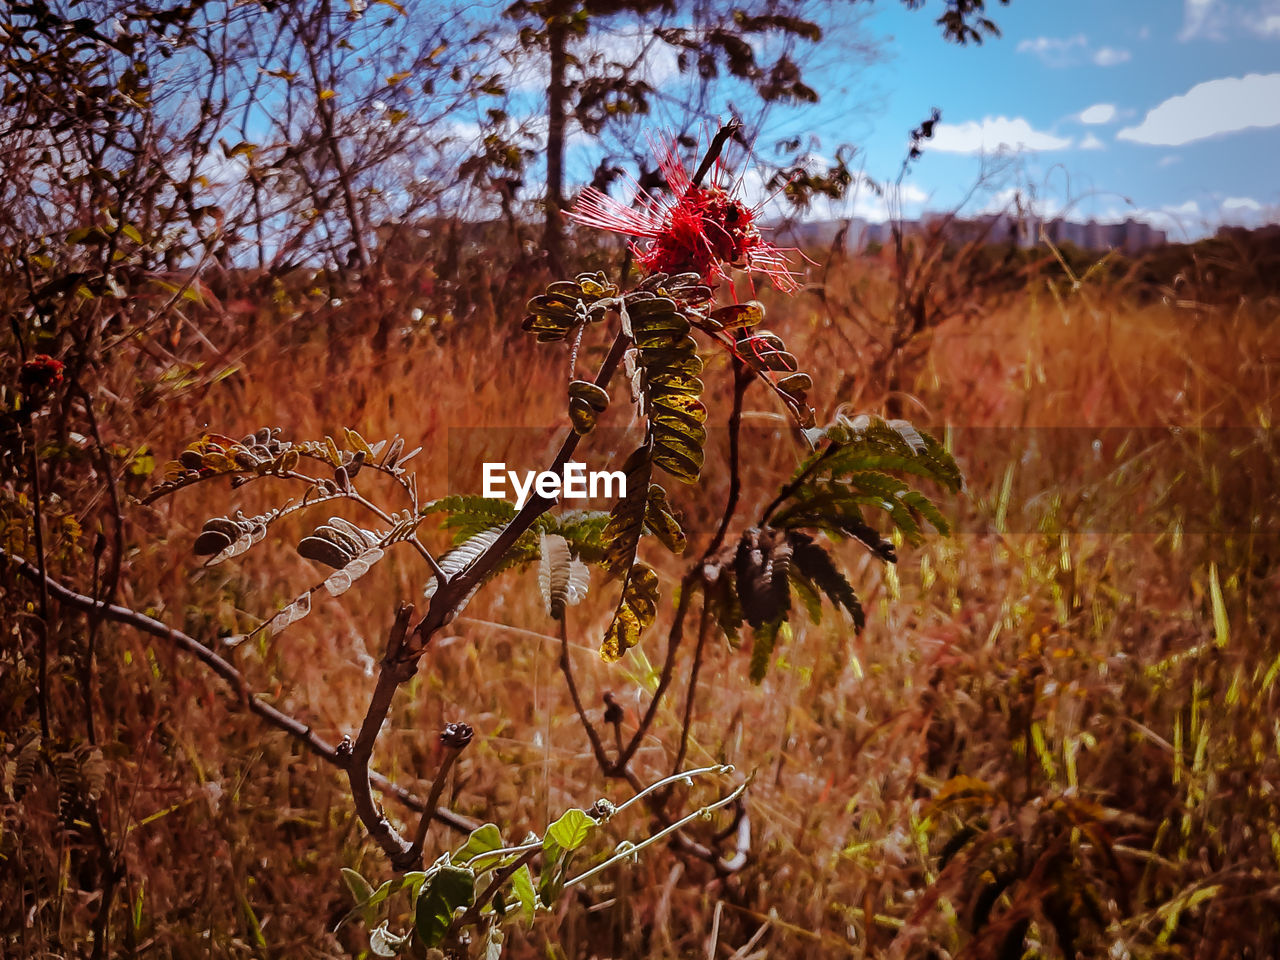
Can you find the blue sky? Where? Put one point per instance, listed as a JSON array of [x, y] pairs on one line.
[[1164, 109]]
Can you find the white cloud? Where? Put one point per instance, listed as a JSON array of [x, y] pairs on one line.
[[994, 134], [1242, 203], [1209, 109], [877, 209], [1098, 113], [1055, 51], [1111, 56], [1092, 143], [1199, 19], [1266, 23]]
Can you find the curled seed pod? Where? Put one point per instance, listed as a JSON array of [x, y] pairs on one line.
[[247, 440], [217, 534], [262, 435], [244, 459], [342, 480], [796, 383], [191, 459], [596, 397], [350, 544], [582, 416], [324, 551], [456, 736], [230, 527], [210, 542]]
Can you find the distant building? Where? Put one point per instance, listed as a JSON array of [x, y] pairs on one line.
[[1131, 236]]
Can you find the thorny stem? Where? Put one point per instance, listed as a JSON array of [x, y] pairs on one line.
[[722, 769], [233, 678]]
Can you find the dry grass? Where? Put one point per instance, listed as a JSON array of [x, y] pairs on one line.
[[1058, 648]]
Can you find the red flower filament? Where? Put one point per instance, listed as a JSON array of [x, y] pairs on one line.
[[697, 229]]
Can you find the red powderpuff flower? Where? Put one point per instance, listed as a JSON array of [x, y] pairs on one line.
[[697, 229], [40, 373]]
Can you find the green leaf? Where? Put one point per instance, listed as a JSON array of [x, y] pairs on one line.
[[635, 614], [482, 840], [522, 887], [448, 888], [626, 521], [763, 642], [365, 907], [571, 830], [661, 522], [361, 890]]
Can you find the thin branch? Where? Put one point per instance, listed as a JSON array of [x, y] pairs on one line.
[[107, 593], [393, 671], [668, 668], [472, 914], [42, 581], [566, 667], [281, 721], [454, 740], [451, 594], [704, 629], [742, 378], [649, 841], [718, 142]]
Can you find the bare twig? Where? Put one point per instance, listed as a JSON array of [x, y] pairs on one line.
[[37, 508], [704, 629], [453, 741], [566, 667], [742, 378], [668, 667], [281, 721]]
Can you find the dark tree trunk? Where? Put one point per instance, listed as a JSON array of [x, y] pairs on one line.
[[557, 96]]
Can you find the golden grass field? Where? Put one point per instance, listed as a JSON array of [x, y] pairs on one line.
[[1094, 649]]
